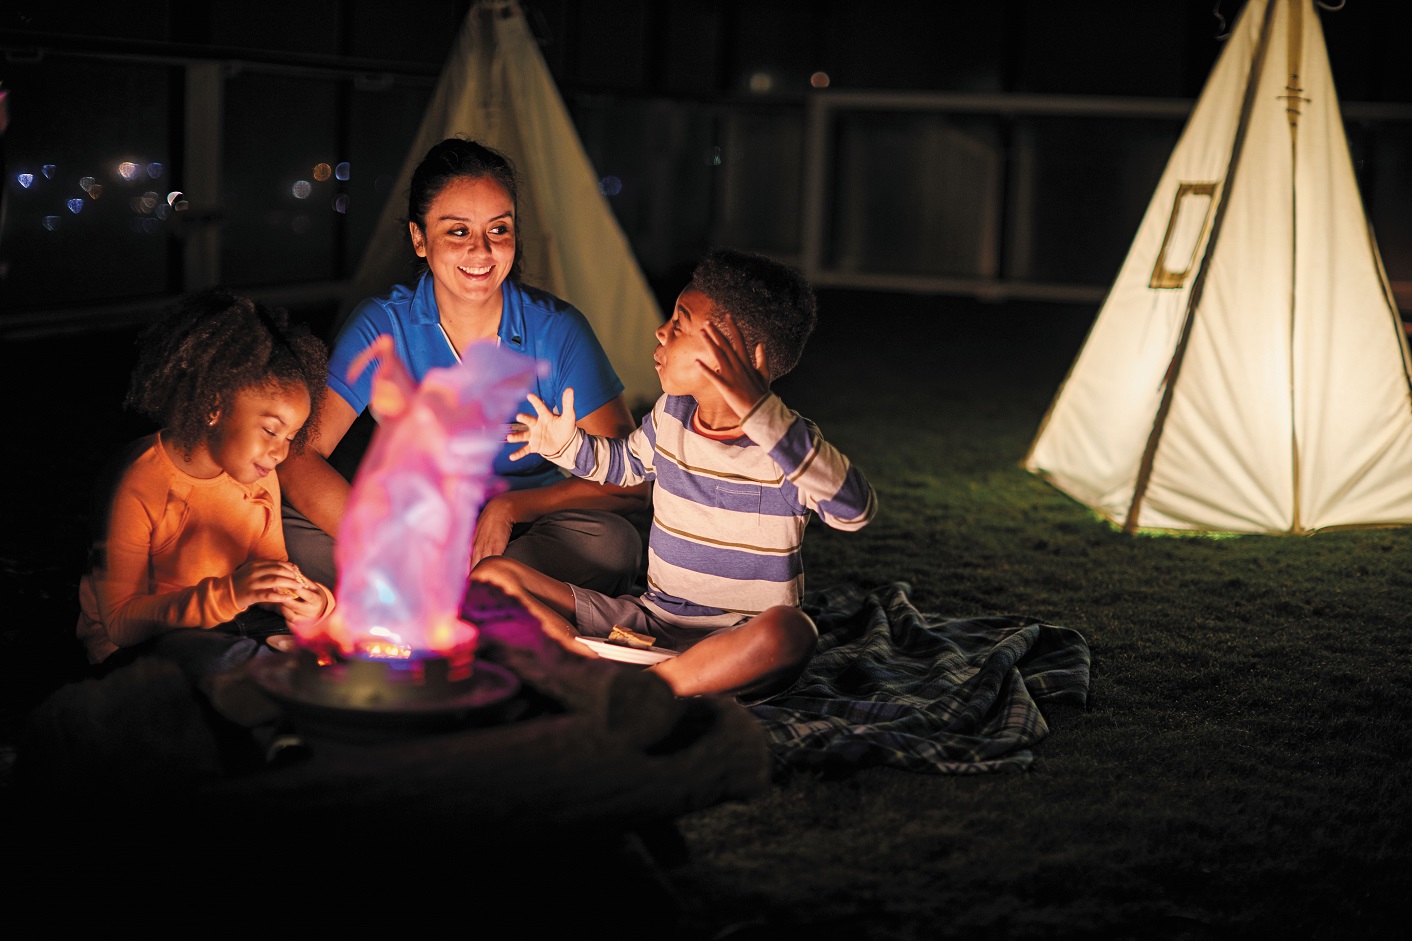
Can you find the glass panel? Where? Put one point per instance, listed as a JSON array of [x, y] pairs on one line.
[[657, 162], [382, 124], [1388, 196], [279, 194], [304, 27], [1110, 48], [85, 143], [422, 33], [900, 44], [916, 194], [1079, 187], [762, 181]]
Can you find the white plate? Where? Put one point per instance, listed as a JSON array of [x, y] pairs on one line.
[[624, 653]]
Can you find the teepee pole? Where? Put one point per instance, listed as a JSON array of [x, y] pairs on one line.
[[1294, 102], [1294, 69], [1149, 452]]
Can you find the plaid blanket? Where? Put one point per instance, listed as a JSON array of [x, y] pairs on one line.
[[890, 685]]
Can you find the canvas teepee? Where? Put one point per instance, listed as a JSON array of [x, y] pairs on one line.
[[1248, 371], [496, 88]]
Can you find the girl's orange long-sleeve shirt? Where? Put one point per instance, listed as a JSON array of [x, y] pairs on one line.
[[173, 542]]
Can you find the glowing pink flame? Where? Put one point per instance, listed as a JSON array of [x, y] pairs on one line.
[[404, 546]]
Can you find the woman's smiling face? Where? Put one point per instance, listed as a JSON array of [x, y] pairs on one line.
[[469, 242]]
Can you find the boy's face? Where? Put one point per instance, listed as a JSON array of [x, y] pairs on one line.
[[682, 347]]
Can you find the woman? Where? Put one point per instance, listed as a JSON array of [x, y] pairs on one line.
[[461, 213]]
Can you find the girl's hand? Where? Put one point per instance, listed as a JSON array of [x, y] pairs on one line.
[[546, 432], [305, 607], [267, 581]]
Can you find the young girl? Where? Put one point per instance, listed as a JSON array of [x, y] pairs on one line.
[[193, 535]]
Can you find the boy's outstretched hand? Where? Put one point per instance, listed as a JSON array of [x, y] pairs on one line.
[[546, 432], [736, 373]]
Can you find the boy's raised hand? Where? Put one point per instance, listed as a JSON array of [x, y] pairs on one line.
[[737, 374], [546, 432]]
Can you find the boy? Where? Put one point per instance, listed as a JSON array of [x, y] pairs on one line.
[[736, 475]]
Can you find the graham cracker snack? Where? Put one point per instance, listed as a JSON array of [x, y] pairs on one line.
[[621, 635]]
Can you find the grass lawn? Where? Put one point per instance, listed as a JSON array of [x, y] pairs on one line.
[[1241, 770]]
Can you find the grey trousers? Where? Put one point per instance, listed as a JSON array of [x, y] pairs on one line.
[[595, 549]]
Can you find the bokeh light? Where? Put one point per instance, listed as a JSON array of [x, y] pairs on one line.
[[95, 190], [819, 80], [761, 82], [154, 170], [86, 183], [25, 179], [610, 186], [173, 196], [49, 171], [342, 170], [340, 203], [75, 206], [127, 170], [50, 222], [301, 189], [322, 172]]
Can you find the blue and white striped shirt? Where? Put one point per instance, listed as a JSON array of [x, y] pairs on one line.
[[728, 516]]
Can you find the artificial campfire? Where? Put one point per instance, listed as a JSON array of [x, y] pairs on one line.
[[404, 544]]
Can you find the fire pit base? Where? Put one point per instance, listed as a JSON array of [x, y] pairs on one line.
[[359, 700]]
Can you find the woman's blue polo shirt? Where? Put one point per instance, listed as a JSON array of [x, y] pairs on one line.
[[532, 322]]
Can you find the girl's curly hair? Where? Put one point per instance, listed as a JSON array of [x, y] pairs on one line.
[[209, 347]]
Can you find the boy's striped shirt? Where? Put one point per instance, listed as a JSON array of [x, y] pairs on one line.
[[728, 516]]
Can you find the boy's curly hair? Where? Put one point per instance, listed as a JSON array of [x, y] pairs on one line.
[[212, 345], [771, 302]]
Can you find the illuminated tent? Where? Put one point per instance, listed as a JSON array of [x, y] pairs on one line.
[[496, 88], [1248, 371]]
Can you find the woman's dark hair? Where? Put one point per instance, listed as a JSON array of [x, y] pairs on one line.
[[211, 346], [455, 158]]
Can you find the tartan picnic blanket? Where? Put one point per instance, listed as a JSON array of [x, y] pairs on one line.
[[893, 686]]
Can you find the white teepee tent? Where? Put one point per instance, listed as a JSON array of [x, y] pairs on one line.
[[1248, 371], [496, 88]]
